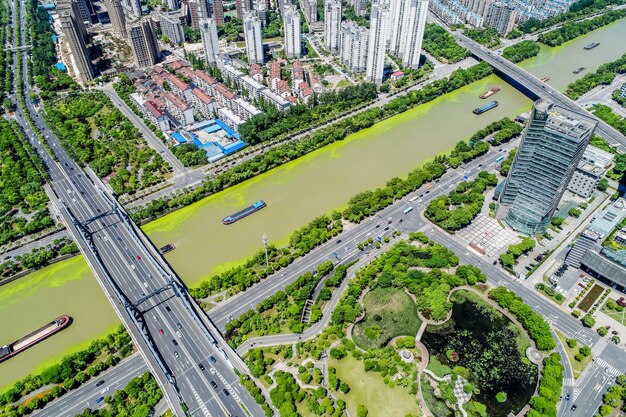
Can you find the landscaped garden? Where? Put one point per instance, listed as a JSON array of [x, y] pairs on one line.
[[591, 298], [615, 309], [579, 356], [389, 312], [488, 350]]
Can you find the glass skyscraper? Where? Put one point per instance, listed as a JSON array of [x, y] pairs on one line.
[[552, 145]]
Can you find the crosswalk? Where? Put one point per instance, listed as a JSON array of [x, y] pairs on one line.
[[609, 369], [568, 382]]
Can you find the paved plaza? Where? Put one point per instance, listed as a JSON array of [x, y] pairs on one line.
[[486, 236]]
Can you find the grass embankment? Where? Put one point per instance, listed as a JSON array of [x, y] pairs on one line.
[[577, 366], [368, 388]]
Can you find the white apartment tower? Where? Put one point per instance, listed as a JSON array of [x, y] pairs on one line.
[[252, 33], [408, 21], [79, 55], [208, 30], [377, 43], [353, 48], [172, 27], [291, 22], [332, 25]]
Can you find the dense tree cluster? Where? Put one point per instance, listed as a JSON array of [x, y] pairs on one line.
[[458, 208], [573, 30], [273, 123], [367, 203], [137, 399], [350, 14], [605, 113], [190, 155], [256, 393], [274, 26], [290, 151], [550, 386], [301, 242], [23, 201], [485, 36], [604, 75], [71, 372], [533, 322], [37, 258], [280, 311], [521, 51], [505, 165], [287, 395], [231, 29], [440, 44], [515, 251], [96, 133]]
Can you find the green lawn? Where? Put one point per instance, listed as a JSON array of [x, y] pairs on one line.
[[590, 298], [343, 84], [437, 367], [577, 367], [389, 312], [368, 388], [618, 316]]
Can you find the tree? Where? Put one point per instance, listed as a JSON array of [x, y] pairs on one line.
[[603, 184], [556, 221], [361, 411], [588, 321], [572, 343]]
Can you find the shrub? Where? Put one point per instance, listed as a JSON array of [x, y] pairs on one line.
[[588, 321]]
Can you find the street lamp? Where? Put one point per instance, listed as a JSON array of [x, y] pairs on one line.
[[267, 259]]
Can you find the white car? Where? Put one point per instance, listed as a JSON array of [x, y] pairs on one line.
[[179, 334], [104, 390]]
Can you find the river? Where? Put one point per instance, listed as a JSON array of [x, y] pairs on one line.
[[295, 194]]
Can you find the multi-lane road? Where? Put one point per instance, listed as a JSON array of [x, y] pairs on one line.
[[175, 340]]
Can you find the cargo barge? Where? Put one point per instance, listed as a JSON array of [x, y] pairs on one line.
[[581, 69], [489, 93], [591, 45], [486, 107], [167, 248], [31, 339], [244, 213]]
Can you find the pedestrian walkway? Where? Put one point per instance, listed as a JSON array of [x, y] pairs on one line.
[[568, 382], [609, 369]]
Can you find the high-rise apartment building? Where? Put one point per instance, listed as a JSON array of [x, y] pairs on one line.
[[134, 7], [243, 7], [332, 25], [116, 15], [353, 50], [81, 63], [217, 7], [377, 44], [291, 27], [252, 33], [172, 27], [309, 8], [198, 10], [408, 21], [72, 8], [501, 17], [144, 43], [208, 31], [553, 144]]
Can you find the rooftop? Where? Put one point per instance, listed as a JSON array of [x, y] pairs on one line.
[[609, 218]]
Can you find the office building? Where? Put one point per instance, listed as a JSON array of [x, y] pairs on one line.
[[208, 31], [332, 25], [501, 17], [243, 7], [217, 7], [81, 63], [116, 14], [144, 43], [590, 170], [291, 28], [252, 34], [171, 27], [553, 144], [353, 48], [377, 43]]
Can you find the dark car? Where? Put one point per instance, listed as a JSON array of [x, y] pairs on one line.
[[99, 400], [168, 308], [573, 407], [338, 240], [201, 367], [213, 359], [225, 391], [213, 384], [100, 383], [174, 342]]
